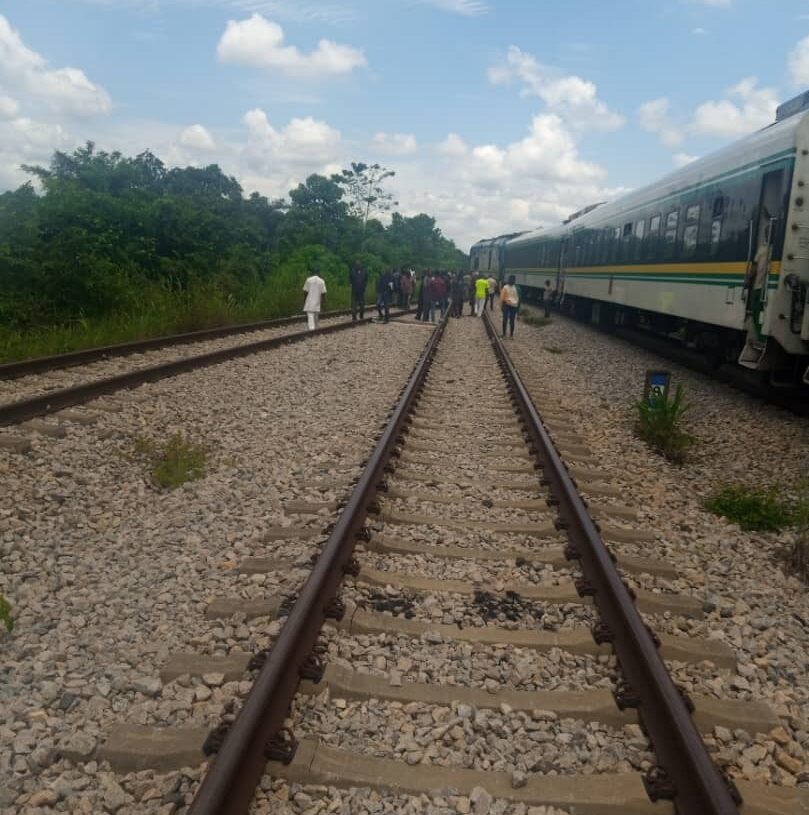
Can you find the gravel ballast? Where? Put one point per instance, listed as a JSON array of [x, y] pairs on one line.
[[107, 575]]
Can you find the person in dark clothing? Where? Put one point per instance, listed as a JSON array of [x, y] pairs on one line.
[[457, 292], [470, 295], [420, 296], [428, 296], [547, 298], [358, 278], [384, 290]]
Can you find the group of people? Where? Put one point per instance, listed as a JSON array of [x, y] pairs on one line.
[[435, 292]]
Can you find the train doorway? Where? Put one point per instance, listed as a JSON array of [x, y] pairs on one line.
[[763, 233]]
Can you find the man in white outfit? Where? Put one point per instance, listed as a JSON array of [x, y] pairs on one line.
[[315, 288]]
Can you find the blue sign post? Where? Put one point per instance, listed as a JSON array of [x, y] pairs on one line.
[[657, 386]]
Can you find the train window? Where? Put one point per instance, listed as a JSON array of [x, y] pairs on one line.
[[718, 206], [671, 221], [627, 229], [640, 228], [690, 234], [654, 225], [617, 233], [692, 213], [716, 231]]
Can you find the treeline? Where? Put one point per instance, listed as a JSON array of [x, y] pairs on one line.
[[116, 247]]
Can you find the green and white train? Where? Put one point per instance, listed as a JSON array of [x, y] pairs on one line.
[[716, 253]]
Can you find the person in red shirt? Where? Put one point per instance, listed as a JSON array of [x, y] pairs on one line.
[[438, 293]]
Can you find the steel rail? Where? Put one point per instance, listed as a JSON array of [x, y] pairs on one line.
[[25, 409], [230, 784], [37, 365], [699, 788]]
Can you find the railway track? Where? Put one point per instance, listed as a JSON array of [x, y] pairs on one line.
[[448, 642], [36, 395], [38, 365]]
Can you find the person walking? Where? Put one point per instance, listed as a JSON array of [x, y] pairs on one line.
[[315, 288], [481, 288], [470, 293], [509, 303], [358, 278], [426, 313], [384, 290], [547, 298], [490, 293]]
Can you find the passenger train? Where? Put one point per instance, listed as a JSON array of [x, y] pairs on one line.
[[715, 254]]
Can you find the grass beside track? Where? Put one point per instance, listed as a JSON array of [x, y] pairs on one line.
[[161, 316]]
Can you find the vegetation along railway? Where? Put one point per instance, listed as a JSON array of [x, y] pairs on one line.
[[444, 619]]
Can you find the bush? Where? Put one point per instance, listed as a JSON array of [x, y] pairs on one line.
[[753, 509], [5, 614], [174, 462], [659, 425]]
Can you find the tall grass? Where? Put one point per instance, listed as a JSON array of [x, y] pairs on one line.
[[162, 311]]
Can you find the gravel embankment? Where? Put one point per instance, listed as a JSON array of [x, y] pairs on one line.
[[752, 602], [107, 576], [27, 387]]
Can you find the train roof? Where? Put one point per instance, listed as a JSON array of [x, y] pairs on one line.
[[774, 139]]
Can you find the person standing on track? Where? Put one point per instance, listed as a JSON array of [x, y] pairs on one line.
[[439, 297], [384, 291], [470, 293], [547, 298], [458, 295], [490, 293], [481, 289], [358, 278], [406, 289], [315, 288], [509, 302]]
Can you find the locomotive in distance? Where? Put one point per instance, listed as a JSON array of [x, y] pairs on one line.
[[715, 254]]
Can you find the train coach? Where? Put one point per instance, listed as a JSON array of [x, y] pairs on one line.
[[715, 254]]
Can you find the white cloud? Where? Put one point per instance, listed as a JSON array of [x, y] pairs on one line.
[[395, 144], [745, 108], [259, 42], [716, 3], [66, 90], [654, 118], [571, 97], [197, 138], [468, 8], [681, 159], [752, 109], [9, 107], [798, 63], [699, 31], [453, 145]]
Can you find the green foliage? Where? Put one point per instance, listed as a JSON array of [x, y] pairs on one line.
[[5, 614], [756, 509], [172, 463], [658, 424], [118, 248], [363, 186]]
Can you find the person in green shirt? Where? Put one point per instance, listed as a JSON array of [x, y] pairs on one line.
[[481, 290]]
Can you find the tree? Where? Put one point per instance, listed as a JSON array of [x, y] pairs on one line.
[[363, 188]]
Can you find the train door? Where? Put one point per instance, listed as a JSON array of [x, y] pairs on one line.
[[763, 235], [561, 272]]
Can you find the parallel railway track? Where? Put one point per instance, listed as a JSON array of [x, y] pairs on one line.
[[59, 398]]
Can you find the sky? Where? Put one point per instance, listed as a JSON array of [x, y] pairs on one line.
[[497, 115]]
